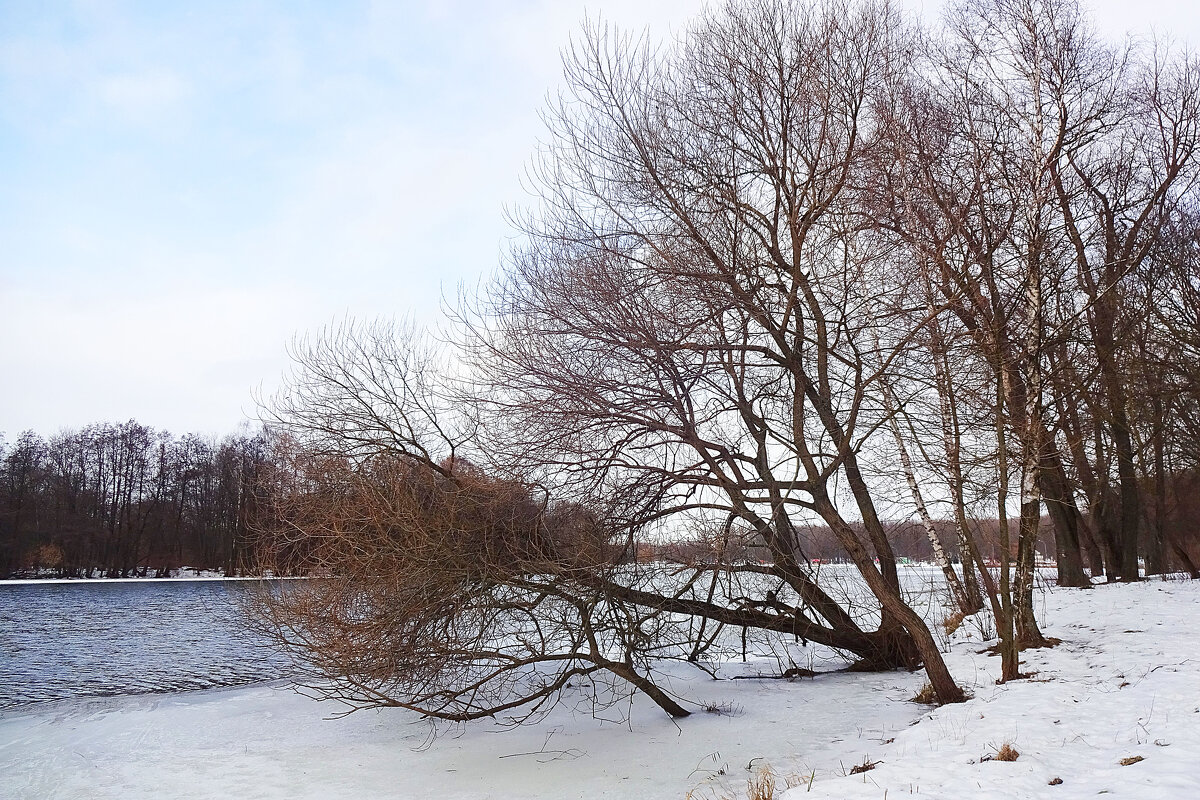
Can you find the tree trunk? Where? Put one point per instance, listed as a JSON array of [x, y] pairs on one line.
[[1002, 604], [951, 444], [961, 599], [1154, 553], [1028, 633], [1066, 518], [891, 601], [647, 687]]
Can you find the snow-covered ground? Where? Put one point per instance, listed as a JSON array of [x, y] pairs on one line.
[[1125, 682]]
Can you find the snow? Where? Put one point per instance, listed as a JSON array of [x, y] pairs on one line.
[[1124, 682]]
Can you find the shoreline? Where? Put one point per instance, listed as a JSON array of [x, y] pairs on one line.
[[30, 581], [173, 579], [103, 703], [1121, 686]]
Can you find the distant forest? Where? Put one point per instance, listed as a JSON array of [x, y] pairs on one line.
[[124, 500]]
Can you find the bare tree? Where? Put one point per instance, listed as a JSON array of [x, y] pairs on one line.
[[683, 347], [798, 237], [971, 190], [439, 588], [1119, 188], [435, 587], [440, 591], [692, 319]]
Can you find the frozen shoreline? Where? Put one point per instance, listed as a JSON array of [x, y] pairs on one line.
[[1124, 683], [177, 574], [86, 581], [267, 741]]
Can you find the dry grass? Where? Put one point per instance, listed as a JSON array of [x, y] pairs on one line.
[[724, 708], [794, 779], [1125, 762], [1007, 753], [952, 622], [927, 696], [693, 796], [761, 785]]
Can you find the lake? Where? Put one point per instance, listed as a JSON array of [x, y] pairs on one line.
[[91, 639], [71, 639]]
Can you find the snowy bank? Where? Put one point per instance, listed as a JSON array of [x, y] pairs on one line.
[[269, 742], [1124, 683]]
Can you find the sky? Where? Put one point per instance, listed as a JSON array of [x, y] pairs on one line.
[[186, 187]]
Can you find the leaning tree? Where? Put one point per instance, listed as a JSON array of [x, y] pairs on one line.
[[699, 315], [761, 258], [690, 342]]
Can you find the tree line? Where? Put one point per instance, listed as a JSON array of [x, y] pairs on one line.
[[125, 500]]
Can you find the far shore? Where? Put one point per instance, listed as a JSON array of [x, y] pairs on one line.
[[203, 576]]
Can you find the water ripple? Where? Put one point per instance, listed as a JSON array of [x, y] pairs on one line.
[[78, 639]]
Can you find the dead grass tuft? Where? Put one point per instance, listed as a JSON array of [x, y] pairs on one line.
[[724, 708], [761, 785], [1125, 762], [1007, 753], [693, 796], [927, 696], [953, 622], [794, 779]]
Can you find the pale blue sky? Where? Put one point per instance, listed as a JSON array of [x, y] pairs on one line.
[[186, 186]]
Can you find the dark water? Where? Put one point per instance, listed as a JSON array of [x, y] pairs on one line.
[[82, 639]]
